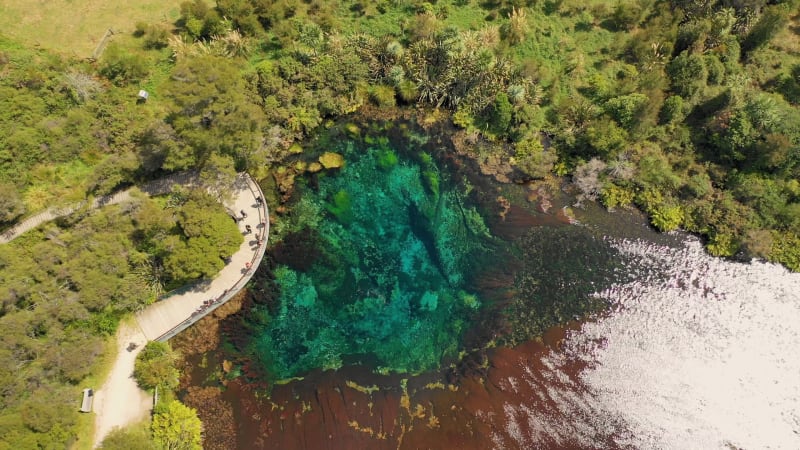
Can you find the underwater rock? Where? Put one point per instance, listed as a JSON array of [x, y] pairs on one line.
[[331, 160], [314, 167]]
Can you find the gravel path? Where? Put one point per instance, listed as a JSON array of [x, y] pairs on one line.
[[120, 402], [155, 187]]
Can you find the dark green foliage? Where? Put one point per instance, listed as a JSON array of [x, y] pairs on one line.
[[673, 110], [500, 114], [211, 114], [606, 137], [688, 75], [627, 14], [113, 172], [155, 367], [209, 235], [773, 20], [626, 109], [199, 21]]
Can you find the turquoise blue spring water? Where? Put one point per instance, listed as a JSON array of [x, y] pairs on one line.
[[390, 243]]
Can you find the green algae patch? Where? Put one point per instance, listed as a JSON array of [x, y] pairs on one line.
[[330, 160], [373, 267]]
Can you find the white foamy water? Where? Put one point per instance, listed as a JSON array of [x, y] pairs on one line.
[[698, 353]]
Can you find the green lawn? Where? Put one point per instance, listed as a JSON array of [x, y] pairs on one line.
[[75, 27]]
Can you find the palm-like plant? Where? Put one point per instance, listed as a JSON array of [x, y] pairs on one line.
[[232, 44], [517, 27]]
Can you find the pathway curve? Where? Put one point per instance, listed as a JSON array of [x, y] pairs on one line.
[[120, 402], [155, 187], [169, 316]]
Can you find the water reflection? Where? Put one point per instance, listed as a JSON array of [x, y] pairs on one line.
[[699, 353]]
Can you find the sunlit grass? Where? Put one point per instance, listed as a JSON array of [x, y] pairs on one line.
[[75, 27], [56, 185]]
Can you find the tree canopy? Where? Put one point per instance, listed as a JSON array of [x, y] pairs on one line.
[[177, 428]]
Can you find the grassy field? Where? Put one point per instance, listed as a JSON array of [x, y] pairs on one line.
[[75, 27]]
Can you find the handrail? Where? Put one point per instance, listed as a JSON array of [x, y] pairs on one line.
[[263, 215]]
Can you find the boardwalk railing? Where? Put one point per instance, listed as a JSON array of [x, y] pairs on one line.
[[263, 217]]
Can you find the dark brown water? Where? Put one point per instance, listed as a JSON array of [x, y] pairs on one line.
[[690, 352]]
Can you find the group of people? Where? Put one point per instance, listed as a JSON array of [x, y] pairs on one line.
[[207, 303], [248, 265], [249, 230]]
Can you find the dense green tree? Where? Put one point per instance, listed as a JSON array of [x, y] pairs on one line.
[[202, 217], [155, 366], [688, 75], [606, 137], [177, 428], [626, 109], [211, 113], [500, 114]]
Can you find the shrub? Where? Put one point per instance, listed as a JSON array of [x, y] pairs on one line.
[[178, 428], [382, 96], [123, 67], [500, 114], [613, 196], [673, 110], [11, 205], [155, 366]]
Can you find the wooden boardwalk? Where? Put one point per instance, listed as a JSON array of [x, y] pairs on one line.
[[120, 402], [173, 314]]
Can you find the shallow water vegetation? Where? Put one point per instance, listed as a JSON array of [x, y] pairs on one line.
[[559, 270], [388, 274]]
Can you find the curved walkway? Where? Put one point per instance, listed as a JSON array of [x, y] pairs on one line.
[[173, 314], [120, 402]]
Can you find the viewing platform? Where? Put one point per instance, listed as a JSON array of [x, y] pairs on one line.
[[173, 314]]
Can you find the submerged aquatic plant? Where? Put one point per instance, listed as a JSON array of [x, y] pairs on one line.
[[389, 284]]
